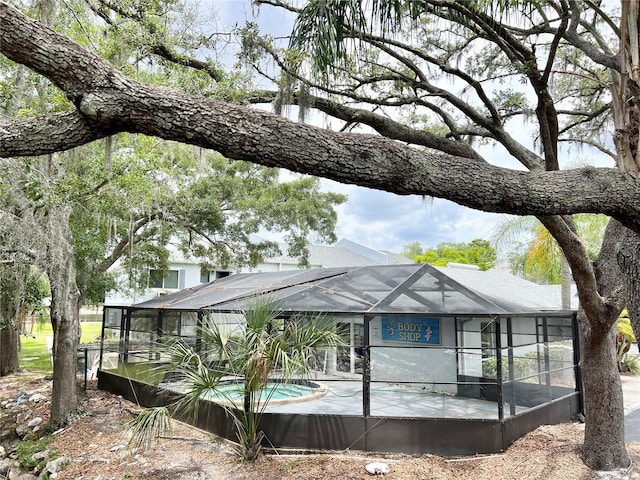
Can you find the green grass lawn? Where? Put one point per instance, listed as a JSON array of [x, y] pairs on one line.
[[34, 354]]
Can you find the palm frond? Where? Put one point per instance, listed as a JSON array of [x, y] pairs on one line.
[[245, 357], [326, 29], [510, 230], [544, 257], [148, 427], [625, 329], [202, 382], [591, 230]]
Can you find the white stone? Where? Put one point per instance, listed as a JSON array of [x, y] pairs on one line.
[[34, 422], [56, 465], [40, 455], [21, 430]]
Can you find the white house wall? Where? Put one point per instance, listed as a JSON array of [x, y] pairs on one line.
[[434, 366]]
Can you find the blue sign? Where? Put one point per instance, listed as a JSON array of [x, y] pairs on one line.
[[411, 329]]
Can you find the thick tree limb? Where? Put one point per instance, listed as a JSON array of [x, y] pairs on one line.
[[52, 133], [109, 102]]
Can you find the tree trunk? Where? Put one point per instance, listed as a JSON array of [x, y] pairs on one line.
[[64, 399], [601, 300], [65, 319], [11, 293], [604, 447], [8, 350], [629, 262]]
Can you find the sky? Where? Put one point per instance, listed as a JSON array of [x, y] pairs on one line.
[[378, 219], [386, 221]]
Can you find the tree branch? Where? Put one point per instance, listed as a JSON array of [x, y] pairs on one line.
[[51, 133], [111, 102]]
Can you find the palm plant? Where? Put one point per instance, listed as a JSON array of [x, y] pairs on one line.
[[252, 356], [540, 258], [624, 339]]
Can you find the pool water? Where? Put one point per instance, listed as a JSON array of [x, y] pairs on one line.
[[274, 392]]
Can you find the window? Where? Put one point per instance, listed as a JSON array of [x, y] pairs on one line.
[[487, 339], [169, 280], [349, 358], [206, 277]]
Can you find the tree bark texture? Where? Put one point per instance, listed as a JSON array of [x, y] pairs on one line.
[[602, 297], [65, 319], [9, 351], [628, 259], [604, 447]]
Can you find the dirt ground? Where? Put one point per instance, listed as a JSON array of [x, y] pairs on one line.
[[96, 444]]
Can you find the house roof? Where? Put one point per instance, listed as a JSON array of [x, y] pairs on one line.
[[343, 253], [376, 289], [497, 284]]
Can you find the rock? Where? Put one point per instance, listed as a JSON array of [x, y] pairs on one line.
[[21, 430], [11, 446], [40, 455], [27, 476], [3, 452], [6, 465], [16, 474], [54, 466], [37, 397], [34, 422]]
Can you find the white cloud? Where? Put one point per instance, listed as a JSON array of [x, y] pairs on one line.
[[386, 221]]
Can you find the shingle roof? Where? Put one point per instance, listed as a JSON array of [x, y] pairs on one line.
[[343, 253], [493, 283]]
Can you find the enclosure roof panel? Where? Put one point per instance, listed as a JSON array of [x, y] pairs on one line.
[[236, 287], [375, 289]]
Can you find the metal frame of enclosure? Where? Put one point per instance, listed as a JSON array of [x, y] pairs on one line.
[[431, 365]]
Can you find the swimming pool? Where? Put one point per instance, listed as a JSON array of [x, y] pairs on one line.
[[277, 393]]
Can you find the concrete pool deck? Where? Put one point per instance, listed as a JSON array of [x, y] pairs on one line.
[[389, 400]]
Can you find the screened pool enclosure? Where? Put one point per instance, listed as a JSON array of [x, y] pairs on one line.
[[430, 364]]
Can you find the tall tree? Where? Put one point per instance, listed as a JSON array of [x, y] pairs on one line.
[[157, 193], [412, 250], [125, 198], [17, 252], [11, 293], [522, 47], [543, 44]]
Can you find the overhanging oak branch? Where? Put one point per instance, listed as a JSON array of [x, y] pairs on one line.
[[109, 102]]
